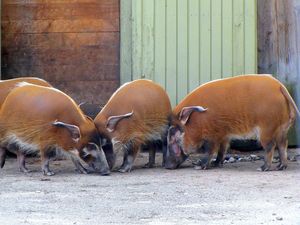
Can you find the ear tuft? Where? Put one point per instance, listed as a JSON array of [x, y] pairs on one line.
[[187, 111], [73, 129], [112, 121]]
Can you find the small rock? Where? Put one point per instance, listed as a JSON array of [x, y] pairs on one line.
[[292, 158], [279, 218], [236, 157], [231, 160], [247, 158]]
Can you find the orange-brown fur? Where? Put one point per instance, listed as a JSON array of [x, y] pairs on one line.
[[29, 111], [151, 107], [7, 85], [236, 107]]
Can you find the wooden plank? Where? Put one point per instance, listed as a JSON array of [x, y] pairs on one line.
[[238, 37], [250, 53], [193, 44], [205, 41], [29, 2], [267, 36], [137, 54], [126, 39], [227, 44], [64, 72], [171, 51], [160, 42], [147, 39], [47, 26], [17, 41], [108, 9], [182, 49], [105, 56], [216, 39]]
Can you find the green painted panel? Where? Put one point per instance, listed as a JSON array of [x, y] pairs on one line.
[[137, 50], [183, 43], [250, 37], [227, 42], [216, 41], [205, 41], [126, 32], [193, 44], [182, 49], [148, 39], [238, 37], [160, 42], [171, 50]]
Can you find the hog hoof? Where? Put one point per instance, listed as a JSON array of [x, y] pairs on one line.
[[216, 164], [25, 170], [85, 171], [281, 167], [200, 167], [264, 168], [125, 169], [50, 173], [148, 165]]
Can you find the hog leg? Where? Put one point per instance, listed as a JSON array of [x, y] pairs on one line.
[[21, 162], [45, 158], [221, 154], [269, 147], [206, 163], [129, 157], [282, 148], [79, 167], [152, 152], [2, 156], [164, 149]]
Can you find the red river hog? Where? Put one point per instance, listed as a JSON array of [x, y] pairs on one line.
[[137, 114], [45, 120], [242, 107]]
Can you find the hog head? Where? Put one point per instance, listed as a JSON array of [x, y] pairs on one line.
[[175, 153], [88, 144], [95, 157]]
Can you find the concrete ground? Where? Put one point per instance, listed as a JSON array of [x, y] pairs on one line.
[[234, 194]]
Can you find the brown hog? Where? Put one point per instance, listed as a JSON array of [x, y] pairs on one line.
[[242, 107], [42, 119], [7, 85], [135, 115]]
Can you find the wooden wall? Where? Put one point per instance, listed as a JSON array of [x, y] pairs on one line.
[[279, 46], [279, 38], [74, 44]]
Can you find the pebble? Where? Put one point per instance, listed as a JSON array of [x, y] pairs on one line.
[[279, 218], [231, 160], [292, 158], [236, 158]]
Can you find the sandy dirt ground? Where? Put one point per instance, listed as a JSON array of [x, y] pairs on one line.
[[234, 194]]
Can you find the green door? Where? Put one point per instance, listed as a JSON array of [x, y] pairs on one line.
[[183, 43]]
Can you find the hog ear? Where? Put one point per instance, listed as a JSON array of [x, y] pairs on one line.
[[73, 129], [186, 112], [112, 121]]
